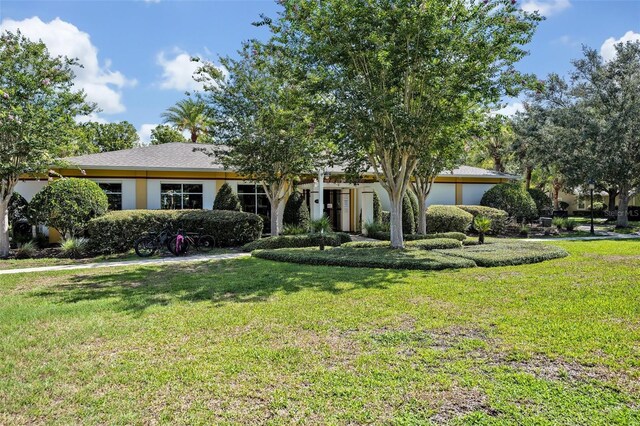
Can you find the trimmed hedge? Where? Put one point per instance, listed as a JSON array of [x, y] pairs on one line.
[[226, 199], [498, 217], [297, 241], [413, 237], [415, 208], [380, 257], [434, 244], [408, 218], [544, 205], [512, 198], [116, 231], [296, 211], [507, 253], [447, 219]]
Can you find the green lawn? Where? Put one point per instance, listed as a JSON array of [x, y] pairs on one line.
[[251, 341]]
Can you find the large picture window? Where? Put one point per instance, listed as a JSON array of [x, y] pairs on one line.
[[114, 194], [179, 196], [254, 200]]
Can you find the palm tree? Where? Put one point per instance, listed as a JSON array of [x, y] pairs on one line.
[[190, 115]]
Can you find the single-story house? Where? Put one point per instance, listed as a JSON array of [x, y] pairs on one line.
[[175, 176]]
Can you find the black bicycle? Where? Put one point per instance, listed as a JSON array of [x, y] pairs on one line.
[[182, 241], [148, 244]]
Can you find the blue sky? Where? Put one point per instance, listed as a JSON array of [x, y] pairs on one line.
[[136, 53]]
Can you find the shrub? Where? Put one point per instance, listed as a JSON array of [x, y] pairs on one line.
[[376, 257], [524, 231], [117, 231], [27, 250], [408, 219], [414, 208], [508, 253], [366, 244], [498, 217], [512, 198], [226, 199], [375, 227], [295, 211], [482, 224], [570, 224], [294, 230], [542, 200], [387, 236], [558, 222], [18, 208], [386, 218], [68, 205], [320, 225], [377, 209], [434, 243], [292, 241], [74, 248], [597, 206], [447, 219]]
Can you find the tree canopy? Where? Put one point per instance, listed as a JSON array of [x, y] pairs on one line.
[[166, 134], [191, 115], [103, 137]]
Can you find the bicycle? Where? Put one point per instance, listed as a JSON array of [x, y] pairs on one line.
[[148, 244], [183, 240]]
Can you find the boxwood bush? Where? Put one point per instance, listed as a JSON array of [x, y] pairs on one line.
[[295, 211], [447, 219], [412, 237], [498, 217], [116, 231], [434, 243], [512, 198], [293, 241]]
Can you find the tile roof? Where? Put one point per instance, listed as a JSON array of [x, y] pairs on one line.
[[186, 156]]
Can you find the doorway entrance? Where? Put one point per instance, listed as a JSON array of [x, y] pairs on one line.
[[332, 208]]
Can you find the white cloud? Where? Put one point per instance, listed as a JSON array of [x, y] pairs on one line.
[[102, 85], [546, 7], [145, 133], [510, 109], [608, 50], [93, 117], [177, 72], [566, 40]]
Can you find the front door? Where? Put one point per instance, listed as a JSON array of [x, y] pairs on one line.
[[332, 207]]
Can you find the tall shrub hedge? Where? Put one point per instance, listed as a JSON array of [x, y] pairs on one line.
[[226, 199], [498, 217], [544, 205], [377, 209], [116, 231], [512, 198], [408, 218], [447, 219], [414, 207], [296, 212]]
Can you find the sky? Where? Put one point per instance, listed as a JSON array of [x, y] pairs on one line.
[[136, 53]]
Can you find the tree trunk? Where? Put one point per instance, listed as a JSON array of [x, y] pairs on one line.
[[529, 172], [556, 196], [613, 194], [276, 219], [276, 193], [4, 224], [623, 208], [397, 239], [194, 136]]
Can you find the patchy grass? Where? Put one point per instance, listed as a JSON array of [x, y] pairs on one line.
[[507, 252], [252, 341]]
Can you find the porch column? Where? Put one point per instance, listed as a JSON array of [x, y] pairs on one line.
[[366, 204], [345, 212]]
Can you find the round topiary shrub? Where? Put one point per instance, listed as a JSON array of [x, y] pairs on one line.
[[408, 219], [543, 201], [498, 217], [68, 205], [296, 212], [512, 198], [447, 219], [226, 199]]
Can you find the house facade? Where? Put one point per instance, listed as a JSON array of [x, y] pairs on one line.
[[182, 176]]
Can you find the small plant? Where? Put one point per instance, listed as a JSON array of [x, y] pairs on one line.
[[27, 250], [482, 224], [524, 231], [570, 224], [373, 227], [74, 247], [321, 226], [558, 222], [294, 230]]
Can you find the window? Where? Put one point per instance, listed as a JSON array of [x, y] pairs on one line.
[[254, 200], [114, 194], [179, 196]]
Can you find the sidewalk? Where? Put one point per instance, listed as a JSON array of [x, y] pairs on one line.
[[107, 264]]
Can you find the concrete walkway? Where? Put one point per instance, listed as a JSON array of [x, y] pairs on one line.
[[115, 264]]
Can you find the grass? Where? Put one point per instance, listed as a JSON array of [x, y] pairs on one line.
[[253, 341]]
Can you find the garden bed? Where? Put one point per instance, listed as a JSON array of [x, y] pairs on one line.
[[500, 253]]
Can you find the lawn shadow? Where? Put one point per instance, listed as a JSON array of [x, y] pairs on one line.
[[229, 281]]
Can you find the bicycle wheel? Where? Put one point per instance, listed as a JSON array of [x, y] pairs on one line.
[[178, 248], [145, 246], [205, 243]]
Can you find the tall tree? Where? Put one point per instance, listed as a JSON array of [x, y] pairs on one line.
[[399, 70], [98, 137], [37, 110], [190, 115], [264, 123], [165, 134]]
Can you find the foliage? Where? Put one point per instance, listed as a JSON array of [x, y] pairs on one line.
[[498, 217], [27, 250], [542, 200], [564, 205], [18, 208], [408, 218], [558, 222], [512, 198], [37, 110], [447, 219], [291, 241], [451, 235], [95, 137], [434, 243], [508, 253], [570, 224], [296, 211], [493, 146], [597, 206], [74, 248], [116, 231], [166, 134], [414, 209], [482, 224], [377, 209], [190, 115], [524, 230], [226, 199], [294, 230], [68, 205], [374, 227], [322, 224]]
